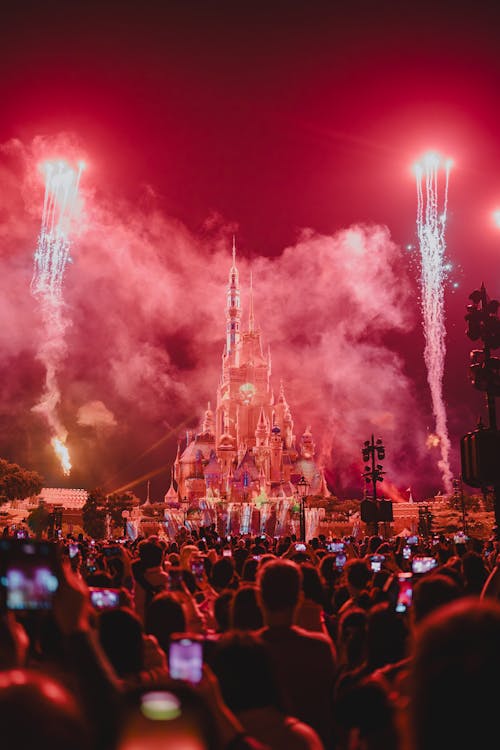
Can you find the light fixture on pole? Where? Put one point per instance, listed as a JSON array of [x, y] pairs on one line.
[[302, 487]]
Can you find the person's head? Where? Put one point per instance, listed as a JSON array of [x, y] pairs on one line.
[[351, 636], [222, 573], [386, 636], [474, 572], [150, 553], [453, 675], [312, 587], [279, 585], [222, 610], [249, 572], [36, 711], [164, 616], [328, 569], [430, 592], [374, 543], [187, 551], [246, 613], [358, 575], [120, 635], [242, 665]]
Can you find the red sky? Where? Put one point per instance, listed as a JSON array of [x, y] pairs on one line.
[[264, 119]]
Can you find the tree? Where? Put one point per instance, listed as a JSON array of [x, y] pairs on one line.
[[39, 519], [94, 514], [117, 503], [17, 483]]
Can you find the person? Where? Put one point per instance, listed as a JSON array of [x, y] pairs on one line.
[[304, 663], [454, 671], [245, 612], [310, 612], [149, 575], [37, 711], [164, 616], [243, 667]]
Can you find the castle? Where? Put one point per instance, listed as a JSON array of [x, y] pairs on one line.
[[246, 448]]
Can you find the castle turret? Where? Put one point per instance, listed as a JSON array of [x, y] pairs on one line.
[[276, 454], [233, 308]]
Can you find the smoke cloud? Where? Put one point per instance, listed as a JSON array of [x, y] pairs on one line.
[[145, 303]]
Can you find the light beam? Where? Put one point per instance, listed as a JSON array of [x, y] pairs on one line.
[[52, 254], [432, 174]]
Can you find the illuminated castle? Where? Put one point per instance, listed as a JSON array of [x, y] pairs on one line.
[[246, 448]]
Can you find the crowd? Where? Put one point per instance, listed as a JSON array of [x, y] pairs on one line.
[[203, 642]]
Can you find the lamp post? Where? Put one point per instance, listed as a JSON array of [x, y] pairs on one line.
[[125, 516], [481, 447], [302, 486], [371, 451], [184, 506]]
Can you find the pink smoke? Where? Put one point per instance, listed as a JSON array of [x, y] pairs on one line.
[[145, 298]]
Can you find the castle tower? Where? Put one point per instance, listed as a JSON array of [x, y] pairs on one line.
[[233, 309]]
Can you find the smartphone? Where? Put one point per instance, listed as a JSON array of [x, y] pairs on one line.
[[340, 560], [376, 562], [104, 598], [160, 705], [90, 564], [185, 658], [460, 538], [406, 552], [112, 551], [198, 569], [300, 547], [335, 546], [227, 553], [405, 592], [175, 579], [423, 564], [256, 557], [412, 540], [21, 534], [73, 550], [28, 574]]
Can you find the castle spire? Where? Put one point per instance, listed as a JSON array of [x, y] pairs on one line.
[[251, 318], [233, 307]]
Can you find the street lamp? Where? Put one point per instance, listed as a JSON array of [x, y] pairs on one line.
[[185, 506], [480, 448], [372, 451], [125, 516], [302, 487]]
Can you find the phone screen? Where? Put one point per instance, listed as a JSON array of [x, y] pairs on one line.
[[376, 562], [185, 659], [405, 592], [423, 564], [406, 552], [28, 577], [300, 547], [340, 560], [175, 579], [73, 550], [336, 546], [198, 569], [227, 553], [104, 598]]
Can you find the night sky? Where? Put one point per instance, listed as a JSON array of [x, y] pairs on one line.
[[294, 126]]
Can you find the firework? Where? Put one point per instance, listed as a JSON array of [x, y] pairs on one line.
[[51, 257], [432, 175]]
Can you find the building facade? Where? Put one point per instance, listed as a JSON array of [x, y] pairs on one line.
[[245, 448]]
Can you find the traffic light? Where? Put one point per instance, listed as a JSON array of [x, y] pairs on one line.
[[480, 457]]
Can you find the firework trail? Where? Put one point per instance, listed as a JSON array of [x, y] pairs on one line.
[[431, 225], [51, 256]]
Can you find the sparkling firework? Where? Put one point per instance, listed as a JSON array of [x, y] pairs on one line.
[[51, 256], [431, 225]]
